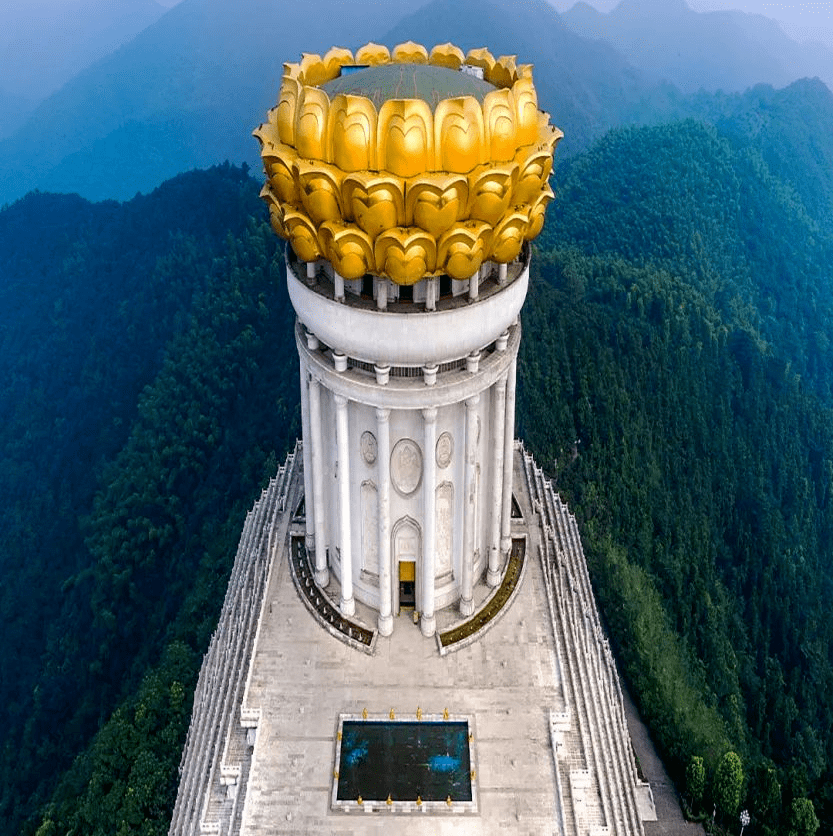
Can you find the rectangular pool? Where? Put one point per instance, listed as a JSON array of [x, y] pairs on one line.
[[404, 760]]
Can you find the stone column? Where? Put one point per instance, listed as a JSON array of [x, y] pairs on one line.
[[428, 622], [322, 572], [385, 621], [469, 500], [347, 605], [309, 504], [508, 449], [498, 423]]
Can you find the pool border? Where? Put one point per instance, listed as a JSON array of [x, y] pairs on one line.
[[383, 806]]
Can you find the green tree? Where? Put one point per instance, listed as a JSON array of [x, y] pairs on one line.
[[803, 819], [766, 799], [728, 783], [695, 780]]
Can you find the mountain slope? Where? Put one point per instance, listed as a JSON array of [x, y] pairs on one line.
[[727, 51], [185, 92]]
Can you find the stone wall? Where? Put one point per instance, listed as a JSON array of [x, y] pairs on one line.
[[595, 766], [217, 751]]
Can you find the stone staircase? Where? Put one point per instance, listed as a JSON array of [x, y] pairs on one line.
[[215, 761], [595, 769]]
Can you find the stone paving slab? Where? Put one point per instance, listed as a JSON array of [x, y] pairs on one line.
[[303, 678]]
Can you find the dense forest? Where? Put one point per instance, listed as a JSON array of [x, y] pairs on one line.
[[676, 380]]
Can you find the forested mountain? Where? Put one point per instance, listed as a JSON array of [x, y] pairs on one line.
[[675, 380]]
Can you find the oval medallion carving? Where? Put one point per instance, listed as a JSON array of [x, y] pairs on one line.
[[445, 450], [406, 466], [368, 444]]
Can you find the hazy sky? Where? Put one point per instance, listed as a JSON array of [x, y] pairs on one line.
[[811, 19]]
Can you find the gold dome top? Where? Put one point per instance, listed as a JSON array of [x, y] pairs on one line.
[[409, 168]]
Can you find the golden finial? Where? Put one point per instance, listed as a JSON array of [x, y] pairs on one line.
[[360, 801], [419, 801], [335, 774], [364, 714], [473, 774], [419, 713], [392, 715], [445, 714], [448, 800], [389, 801], [338, 737]]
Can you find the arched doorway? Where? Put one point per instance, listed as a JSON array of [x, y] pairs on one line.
[[407, 554]]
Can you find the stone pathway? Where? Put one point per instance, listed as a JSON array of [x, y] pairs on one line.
[[670, 821]]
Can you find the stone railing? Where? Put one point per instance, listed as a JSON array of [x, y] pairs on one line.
[[215, 758], [598, 781]]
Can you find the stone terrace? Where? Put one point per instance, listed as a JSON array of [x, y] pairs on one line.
[[552, 750]]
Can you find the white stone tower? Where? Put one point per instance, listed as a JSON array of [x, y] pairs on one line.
[[408, 186]]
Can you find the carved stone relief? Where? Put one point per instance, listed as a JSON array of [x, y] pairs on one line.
[[406, 466]]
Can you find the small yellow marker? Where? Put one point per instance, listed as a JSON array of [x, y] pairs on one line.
[[364, 714], [473, 774], [392, 715], [339, 736], [448, 801], [360, 801], [445, 714], [419, 713], [419, 801], [335, 774], [389, 800]]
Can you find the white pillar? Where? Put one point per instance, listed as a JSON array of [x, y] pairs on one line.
[[428, 622], [499, 426], [469, 500], [385, 621], [474, 285], [347, 605], [306, 432], [338, 286], [508, 449], [502, 274], [322, 572]]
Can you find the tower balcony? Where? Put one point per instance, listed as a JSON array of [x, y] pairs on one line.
[[434, 322]]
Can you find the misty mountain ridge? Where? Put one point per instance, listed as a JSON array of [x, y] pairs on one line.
[[187, 91], [724, 50]]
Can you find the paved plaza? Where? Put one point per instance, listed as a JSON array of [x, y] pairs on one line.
[[303, 678]]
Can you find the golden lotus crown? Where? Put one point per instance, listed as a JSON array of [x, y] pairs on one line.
[[407, 186]]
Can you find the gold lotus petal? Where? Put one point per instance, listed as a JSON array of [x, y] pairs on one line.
[[302, 235], [435, 202], [353, 124], [290, 93], [320, 188], [410, 53], [375, 202], [348, 248], [462, 249], [526, 111], [459, 135], [534, 167], [499, 120], [279, 164], [447, 55], [481, 57], [508, 237], [406, 146], [372, 54], [504, 72], [405, 254], [311, 122], [313, 69], [490, 191], [336, 58], [537, 214]]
